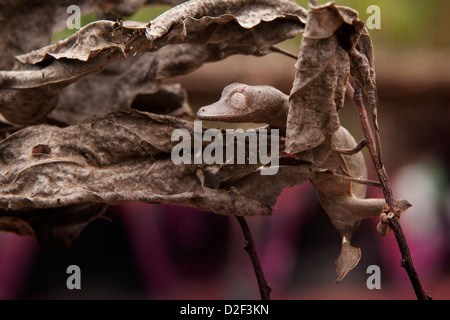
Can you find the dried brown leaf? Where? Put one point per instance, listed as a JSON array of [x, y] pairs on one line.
[[23, 28], [204, 20], [132, 83], [323, 69], [35, 84], [124, 157]]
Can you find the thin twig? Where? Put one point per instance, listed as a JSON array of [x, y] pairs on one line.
[[355, 150], [374, 147], [359, 181], [283, 52], [249, 246]]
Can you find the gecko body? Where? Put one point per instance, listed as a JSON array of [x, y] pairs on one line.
[[344, 201]]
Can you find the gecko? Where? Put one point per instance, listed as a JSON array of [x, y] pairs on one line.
[[343, 200]]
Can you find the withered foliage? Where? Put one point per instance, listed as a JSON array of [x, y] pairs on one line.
[[103, 86], [27, 25], [330, 49], [39, 76], [123, 157]]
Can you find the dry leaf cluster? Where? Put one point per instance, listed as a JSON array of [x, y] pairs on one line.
[[88, 122]]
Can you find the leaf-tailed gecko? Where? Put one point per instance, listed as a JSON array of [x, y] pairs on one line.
[[343, 200]]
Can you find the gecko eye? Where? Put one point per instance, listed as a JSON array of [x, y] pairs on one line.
[[238, 100]]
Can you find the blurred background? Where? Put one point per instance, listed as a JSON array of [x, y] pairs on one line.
[[166, 252]]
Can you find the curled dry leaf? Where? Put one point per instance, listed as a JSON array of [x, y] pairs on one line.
[[323, 69], [23, 28], [133, 83], [30, 92], [124, 157], [205, 20], [76, 150]]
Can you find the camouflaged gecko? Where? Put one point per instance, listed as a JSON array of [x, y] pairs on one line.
[[343, 200]]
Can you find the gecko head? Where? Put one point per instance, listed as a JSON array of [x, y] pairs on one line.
[[233, 106]]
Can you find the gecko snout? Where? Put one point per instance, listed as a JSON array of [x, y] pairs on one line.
[[201, 112]]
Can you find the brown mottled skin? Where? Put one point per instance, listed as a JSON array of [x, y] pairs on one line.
[[242, 103], [343, 200]]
